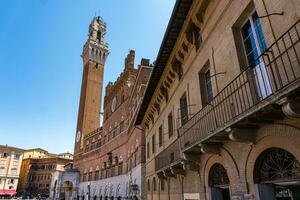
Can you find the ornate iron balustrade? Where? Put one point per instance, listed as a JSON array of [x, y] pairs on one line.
[[272, 75], [168, 156], [183, 119]]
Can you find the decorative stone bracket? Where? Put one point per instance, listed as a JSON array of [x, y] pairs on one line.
[[291, 108], [241, 135]]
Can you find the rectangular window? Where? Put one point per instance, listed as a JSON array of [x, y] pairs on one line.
[[17, 156], [148, 150], [253, 39], [153, 143], [254, 46], [4, 155], [170, 124], [160, 136], [183, 109], [205, 85], [208, 86]]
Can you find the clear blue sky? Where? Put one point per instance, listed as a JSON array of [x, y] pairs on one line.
[[41, 68]]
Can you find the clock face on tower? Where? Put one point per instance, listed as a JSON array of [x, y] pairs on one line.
[[113, 104], [78, 136]]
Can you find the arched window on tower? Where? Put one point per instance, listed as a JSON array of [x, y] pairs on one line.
[[99, 36], [92, 53]]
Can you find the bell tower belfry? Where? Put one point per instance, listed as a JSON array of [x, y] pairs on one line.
[[95, 52]]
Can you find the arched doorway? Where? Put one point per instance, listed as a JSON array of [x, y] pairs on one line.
[[219, 183], [277, 175], [66, 191]]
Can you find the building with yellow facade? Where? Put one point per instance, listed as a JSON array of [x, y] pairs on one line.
[[10, 164]]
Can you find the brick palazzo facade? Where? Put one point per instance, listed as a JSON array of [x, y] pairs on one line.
[[111, 157], [221, 109]]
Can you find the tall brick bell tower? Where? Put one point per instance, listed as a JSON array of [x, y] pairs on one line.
[[94, 54]]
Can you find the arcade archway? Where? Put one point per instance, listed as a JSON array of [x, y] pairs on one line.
[[277, 175], [219, 183]]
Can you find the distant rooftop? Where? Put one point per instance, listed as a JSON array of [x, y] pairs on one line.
[[11, 148], [59, 155], [36, 149]]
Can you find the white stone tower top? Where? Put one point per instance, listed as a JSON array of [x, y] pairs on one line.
[[95, 48]]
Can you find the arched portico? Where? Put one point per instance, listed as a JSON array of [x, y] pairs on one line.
[[65, 185]]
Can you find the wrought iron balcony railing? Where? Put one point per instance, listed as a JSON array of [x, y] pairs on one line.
[[274, 74], [184, 114], [170, 155], [269, 76]]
